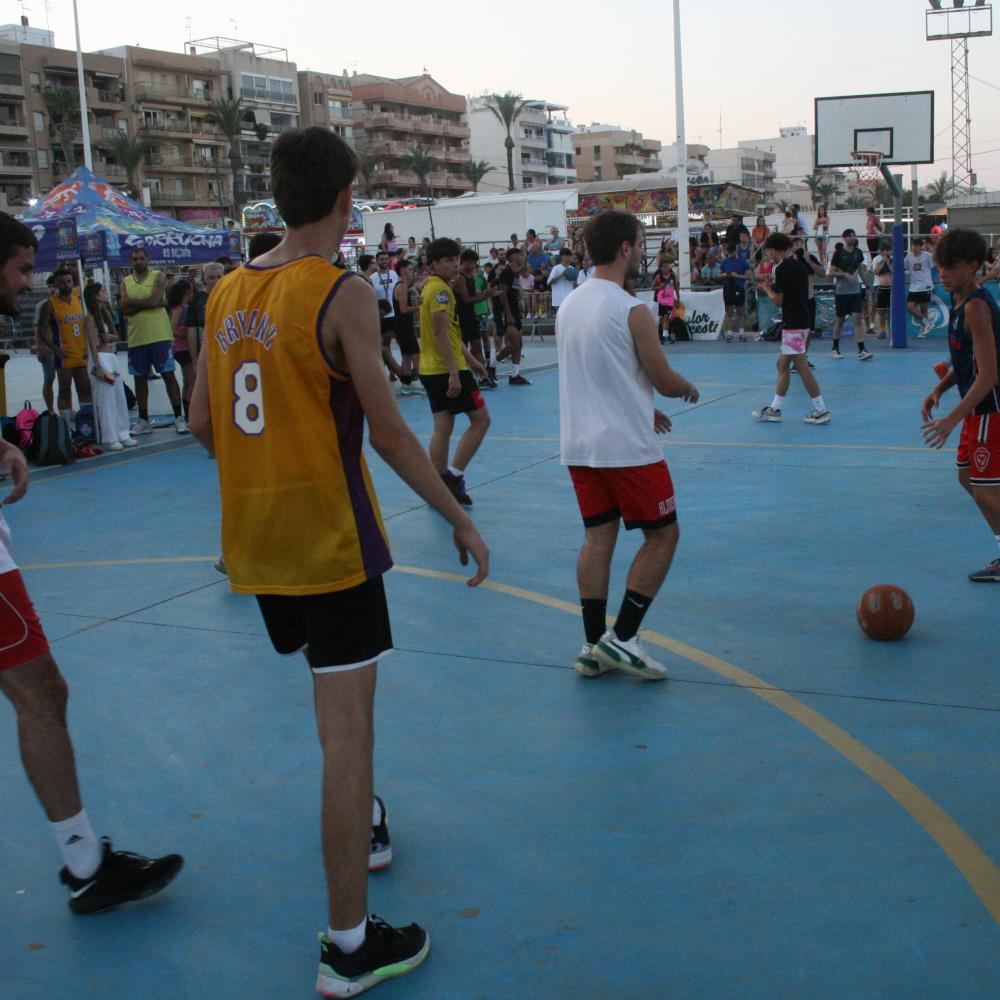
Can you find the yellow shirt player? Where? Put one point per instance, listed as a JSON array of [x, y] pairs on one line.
[[444, 371], [290, 369], [62, 320]]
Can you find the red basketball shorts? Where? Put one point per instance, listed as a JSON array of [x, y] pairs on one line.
[[979, 448], [21, 637], [641, 495]]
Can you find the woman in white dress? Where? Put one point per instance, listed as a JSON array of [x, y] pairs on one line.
[[106, 374]]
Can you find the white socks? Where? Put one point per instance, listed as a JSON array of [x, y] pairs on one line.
[[819, 404], [81, 850], [348, 941], [454, 471], [376, 813], [997, 537], [67, 415], [777, 402], [516, 371]]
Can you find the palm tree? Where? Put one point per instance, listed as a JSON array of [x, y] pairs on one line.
[[856, 201], [814, 182], [475, 171], [882, 195], [825, 191], [63, 106], [230, 114], [420, 162], [939, 189], [507, 108], [128, 153], [368, 163]]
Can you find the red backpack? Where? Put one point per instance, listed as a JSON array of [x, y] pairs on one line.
[[24, 422]]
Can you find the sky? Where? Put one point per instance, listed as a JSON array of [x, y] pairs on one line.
[[759, 65]]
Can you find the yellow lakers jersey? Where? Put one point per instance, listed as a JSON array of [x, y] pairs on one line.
[[299, 513], [67, 330], [438, 297]]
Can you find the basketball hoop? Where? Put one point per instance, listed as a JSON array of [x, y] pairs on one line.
[[867, 163]]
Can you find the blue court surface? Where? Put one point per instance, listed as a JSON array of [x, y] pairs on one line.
[[799, 812]]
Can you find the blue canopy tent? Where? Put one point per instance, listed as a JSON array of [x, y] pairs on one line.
[[58, 243], [111, 225]]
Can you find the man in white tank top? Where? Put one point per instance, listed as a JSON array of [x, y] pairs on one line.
[[610, 363]]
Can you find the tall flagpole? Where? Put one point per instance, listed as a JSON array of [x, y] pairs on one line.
[[87, 156], [683, 249]]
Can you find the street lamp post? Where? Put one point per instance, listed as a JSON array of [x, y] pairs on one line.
[[683, 248], [85, 125]]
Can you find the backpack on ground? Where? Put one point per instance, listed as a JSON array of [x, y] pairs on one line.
[[9, 431], [773, 332], [84, 425], [678, 329], [51, 441], [24, 421]]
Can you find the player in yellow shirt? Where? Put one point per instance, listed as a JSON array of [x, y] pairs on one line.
[[444, 371], [62, 317], [290, 369]]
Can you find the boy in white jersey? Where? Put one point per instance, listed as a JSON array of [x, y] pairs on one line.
[[610, 362], [920, 271]]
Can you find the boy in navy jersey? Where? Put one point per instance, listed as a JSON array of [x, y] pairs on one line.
[[974, 343]]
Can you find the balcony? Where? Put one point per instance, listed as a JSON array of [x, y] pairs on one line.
[[99, 97], [174, 197], [12, 127], [175, 93], [268, 96], [111, 171], [374, 120], [15, 169], [193, 128]]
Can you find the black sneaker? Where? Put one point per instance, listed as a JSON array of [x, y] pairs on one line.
[[457, 486], [122, 878], [380, 854], [518, 380], [491, 370], [387, 952]]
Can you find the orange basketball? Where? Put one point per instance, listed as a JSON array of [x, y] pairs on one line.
[[885, 612]]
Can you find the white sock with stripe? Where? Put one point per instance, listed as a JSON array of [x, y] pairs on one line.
[[78, 844]]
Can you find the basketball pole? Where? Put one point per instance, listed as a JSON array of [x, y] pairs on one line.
[[683, 227], [897, 315]]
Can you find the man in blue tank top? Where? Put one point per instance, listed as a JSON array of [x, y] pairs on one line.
[[974, 343]]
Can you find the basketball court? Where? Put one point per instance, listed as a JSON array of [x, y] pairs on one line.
[[798, 812]]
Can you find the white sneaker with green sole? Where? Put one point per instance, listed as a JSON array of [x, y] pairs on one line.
[[629, 656], [587, 665]]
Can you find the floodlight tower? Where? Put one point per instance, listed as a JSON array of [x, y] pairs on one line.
[[958, 23]]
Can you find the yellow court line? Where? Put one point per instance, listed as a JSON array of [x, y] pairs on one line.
[[965, 854], [122, 562]]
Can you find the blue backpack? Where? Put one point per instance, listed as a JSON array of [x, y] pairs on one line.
[[84, 425]]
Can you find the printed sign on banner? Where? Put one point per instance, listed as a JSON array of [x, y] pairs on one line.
[[705, 314]]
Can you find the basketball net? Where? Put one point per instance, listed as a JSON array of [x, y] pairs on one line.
[[867, 163]]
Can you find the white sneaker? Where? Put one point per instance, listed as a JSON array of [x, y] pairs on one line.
[[629, 656], [113, 446], [768, 414], [587, 665], [129, 442], [818, 418], [141, 427], [180, 425], [865, 355], [835, 353]]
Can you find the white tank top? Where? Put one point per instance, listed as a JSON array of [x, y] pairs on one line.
[[605, 395]]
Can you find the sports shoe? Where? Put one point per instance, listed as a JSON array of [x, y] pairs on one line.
[[491, 370], [768, 414], [988, 574], [122, 878], [141, 427], [129, 442], [487, 383], [587, 665], [113, 446], [835, 353], [180, 425], [220, 566], [387, 952], [518, 380], [865, 355], [818, 418], [629, 656], [927, 326], [457, 486], [380, 855]]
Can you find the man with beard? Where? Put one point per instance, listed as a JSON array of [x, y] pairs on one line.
[[610, 363]]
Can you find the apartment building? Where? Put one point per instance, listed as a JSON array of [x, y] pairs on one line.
[[267, 82], [609, 152], [392, 117], [794, 151], [325, 100], [744, 165], [543, 145], [17, 152]]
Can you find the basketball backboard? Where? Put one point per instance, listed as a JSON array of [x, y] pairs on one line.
[[899, 126]]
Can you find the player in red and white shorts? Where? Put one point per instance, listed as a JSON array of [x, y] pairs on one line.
[[610, 365], [96, 876]]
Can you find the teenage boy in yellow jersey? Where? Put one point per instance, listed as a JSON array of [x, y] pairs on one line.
[[63, 317], [444, 371], [290, 369]]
